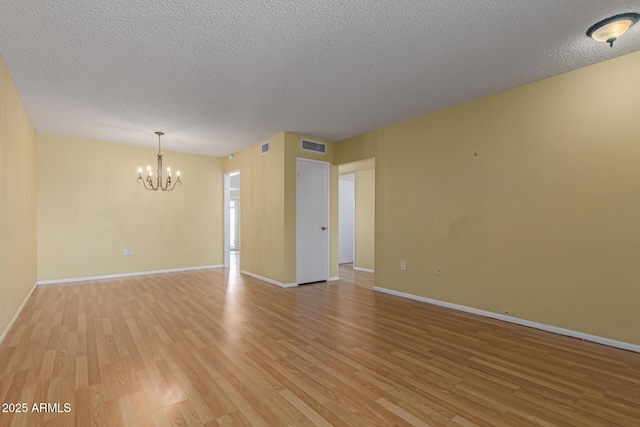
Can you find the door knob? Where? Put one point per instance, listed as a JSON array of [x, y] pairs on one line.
[[323, 228]]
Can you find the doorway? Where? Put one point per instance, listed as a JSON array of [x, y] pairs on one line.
[[346, 216], [358, 193], [232, 220], [312, 221]]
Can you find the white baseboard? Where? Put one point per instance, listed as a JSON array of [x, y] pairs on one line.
[[515, 320], [273, 282], [333, 279], [117, 276], [10, 325], [366, 270]]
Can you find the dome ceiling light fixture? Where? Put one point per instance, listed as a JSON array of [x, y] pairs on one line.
[[148, 181], [610, 29]]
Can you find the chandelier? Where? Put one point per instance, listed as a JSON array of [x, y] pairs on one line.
[[148, 181]]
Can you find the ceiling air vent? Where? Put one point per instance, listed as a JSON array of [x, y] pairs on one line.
[[318, 147], [265, 147]]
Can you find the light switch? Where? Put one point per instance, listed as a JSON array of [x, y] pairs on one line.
[[131, 252]]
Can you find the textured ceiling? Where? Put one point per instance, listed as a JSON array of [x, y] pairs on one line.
[[217, 76]]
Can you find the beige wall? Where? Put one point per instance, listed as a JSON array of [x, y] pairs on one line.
[[90, 207], [17, 200], [268, 195], [528, 198], [364, 223]]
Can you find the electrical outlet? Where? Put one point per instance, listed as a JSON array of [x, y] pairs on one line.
[[125, 252], [439, 270], [403, 265], [130, 251]]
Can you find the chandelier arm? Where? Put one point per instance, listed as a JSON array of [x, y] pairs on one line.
[[178, 183], [144, 183], [167, 184], [151, 186]]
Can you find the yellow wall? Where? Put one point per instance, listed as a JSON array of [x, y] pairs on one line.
[[90, 207], [364, 223], [268, 195], [528, 198], [356, 149], [262, 199], [17, 200]]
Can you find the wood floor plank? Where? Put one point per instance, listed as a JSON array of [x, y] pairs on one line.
[[308, 412], [402, 413], [82, 372], [215, 348]]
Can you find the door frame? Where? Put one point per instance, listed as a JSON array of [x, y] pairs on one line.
[[227, 220], [328, 215]]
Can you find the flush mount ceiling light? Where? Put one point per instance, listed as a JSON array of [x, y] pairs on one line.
[[148, 181], [608, 30]]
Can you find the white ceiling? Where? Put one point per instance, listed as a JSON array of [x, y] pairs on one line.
[[217, 76]]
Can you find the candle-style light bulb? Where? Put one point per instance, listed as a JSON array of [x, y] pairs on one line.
[[169, 171], [178, 173], [139, 170]]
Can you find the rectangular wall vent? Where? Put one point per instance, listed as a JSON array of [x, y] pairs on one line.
[[265, 147], [318, 147]]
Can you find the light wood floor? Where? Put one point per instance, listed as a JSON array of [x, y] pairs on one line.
[[212, 348]]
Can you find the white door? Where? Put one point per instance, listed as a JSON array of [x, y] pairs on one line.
[[312, 197]]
